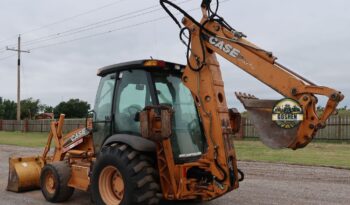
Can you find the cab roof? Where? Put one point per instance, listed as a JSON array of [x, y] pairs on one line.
[[140, 64]]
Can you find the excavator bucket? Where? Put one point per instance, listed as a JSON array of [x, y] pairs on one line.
[[260, 113], [24, 173]]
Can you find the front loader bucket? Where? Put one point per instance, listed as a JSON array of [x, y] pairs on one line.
[[260, 113], [24, 173]]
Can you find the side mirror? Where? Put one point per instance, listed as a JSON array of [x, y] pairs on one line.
[[156, 122], [91, 114], [89, 120]]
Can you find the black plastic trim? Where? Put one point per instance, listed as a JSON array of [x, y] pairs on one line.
[[136, 142], [138, 64]]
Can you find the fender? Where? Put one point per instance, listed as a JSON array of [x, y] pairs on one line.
[[136, 142]]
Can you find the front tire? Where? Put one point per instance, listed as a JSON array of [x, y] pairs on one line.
[[54, 182], [123, 176]]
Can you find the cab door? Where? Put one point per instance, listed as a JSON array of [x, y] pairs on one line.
[[103, 110], [133, 93]]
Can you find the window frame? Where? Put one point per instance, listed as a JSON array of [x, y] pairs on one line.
[[183, 160], [116, 98], [112, 102]]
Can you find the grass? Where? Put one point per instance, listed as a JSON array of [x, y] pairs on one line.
[[316, 153], [25, 139]]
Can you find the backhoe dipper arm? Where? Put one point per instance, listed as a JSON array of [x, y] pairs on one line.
[[202, 76], [213, 36], [261, 64]]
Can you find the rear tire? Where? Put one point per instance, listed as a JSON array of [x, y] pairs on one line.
[[123, 176], [54, 182]]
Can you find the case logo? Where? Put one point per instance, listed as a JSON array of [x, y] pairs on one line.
[[287, 113], [227, 48], [76, 136]]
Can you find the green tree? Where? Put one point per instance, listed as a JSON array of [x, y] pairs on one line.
[[48, 109], [1, 109], [73, 108], [7, 109], [45, 108], [29, 108]]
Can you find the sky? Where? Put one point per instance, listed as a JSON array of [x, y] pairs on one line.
[[310, 37]]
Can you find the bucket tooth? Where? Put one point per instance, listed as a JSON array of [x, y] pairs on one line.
[[24, 173], [260, 114], [243, 96], [250, 101]]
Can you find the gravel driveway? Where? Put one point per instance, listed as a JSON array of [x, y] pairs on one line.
[[265, 183]]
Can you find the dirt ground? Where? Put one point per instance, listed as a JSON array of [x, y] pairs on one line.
[[265, 183]]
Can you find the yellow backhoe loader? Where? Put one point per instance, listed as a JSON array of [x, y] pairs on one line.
[[161, 130]]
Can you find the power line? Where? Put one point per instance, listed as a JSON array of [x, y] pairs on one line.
[[98, 24], [114, 30], [65, 19], [89, 27], [101, 33], [106, 32], [111, 31], [73, 17], [95, 25], [7, 39], [4, 58]]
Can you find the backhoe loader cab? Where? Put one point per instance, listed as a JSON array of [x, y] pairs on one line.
[[126, 89], [149, 139]]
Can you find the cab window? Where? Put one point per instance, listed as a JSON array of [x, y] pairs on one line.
[[103, 104], [133, 95]]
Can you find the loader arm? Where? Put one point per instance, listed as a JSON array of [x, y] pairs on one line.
[[212, 35]]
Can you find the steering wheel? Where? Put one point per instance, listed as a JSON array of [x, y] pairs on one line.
[[132, 110]]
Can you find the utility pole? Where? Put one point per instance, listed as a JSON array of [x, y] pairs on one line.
[[19, 51]]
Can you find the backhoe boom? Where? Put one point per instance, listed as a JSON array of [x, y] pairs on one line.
[[212, 36]]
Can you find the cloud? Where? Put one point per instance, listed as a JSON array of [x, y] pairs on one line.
[[311, 37]]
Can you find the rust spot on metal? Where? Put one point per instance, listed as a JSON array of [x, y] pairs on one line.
[[156, 122]]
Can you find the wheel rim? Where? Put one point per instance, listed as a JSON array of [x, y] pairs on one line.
[[111, 185], [50, 183]]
